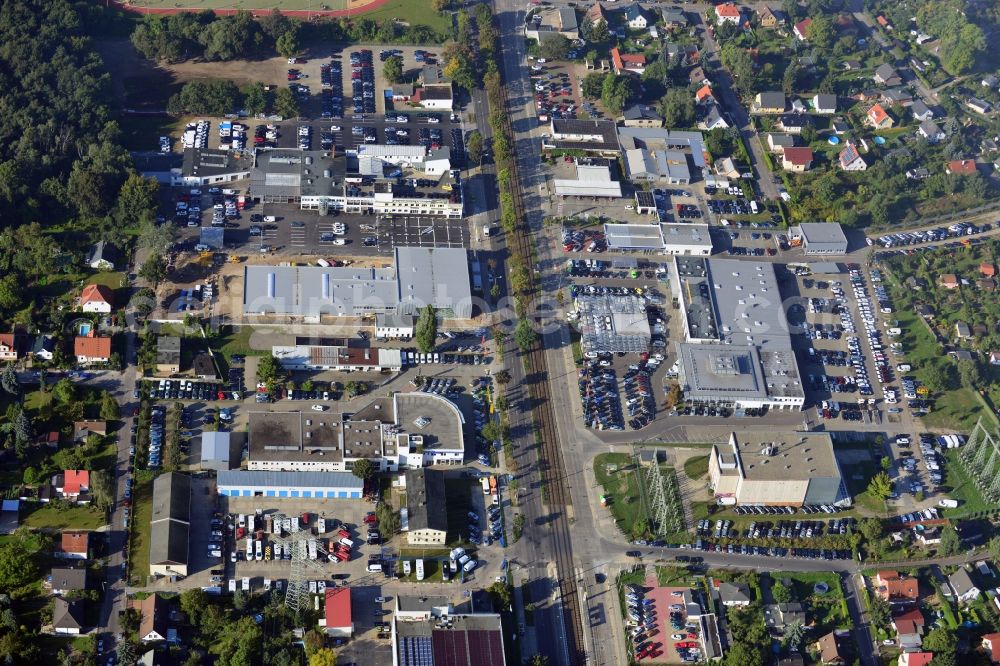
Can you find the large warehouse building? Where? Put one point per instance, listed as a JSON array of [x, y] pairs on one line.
[[371, 180], [170, 526], [776, 469], [427, 631], [422, 276], [820, 237], [329, 485], [611, 324], [404, 430], [340, 357], [738, 350], [683, 239]]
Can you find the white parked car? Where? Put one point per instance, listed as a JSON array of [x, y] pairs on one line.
[[319, 408], [338, 241]]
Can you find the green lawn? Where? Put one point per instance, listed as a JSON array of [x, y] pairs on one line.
[[112, 279], [828, 610], [696, 467], [958, 485], [621, 488], [432, 571], [142, 514], [233, 340], [46, 516], [956, 410]]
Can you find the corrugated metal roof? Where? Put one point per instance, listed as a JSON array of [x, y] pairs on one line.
[[266, 479]]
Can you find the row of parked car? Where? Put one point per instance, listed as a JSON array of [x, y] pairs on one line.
[[179, 389], [362, 81], [642, 611], [157, 430], [476, 534], [639, 398], [748, 509], [956, 230], [480, 411]]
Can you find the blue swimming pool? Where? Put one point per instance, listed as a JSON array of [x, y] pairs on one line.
[[84, 329]]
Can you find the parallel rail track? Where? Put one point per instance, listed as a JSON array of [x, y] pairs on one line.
[[550, 462]]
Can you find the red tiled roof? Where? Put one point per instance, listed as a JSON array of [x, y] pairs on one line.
[[962, 166], [877, 114], [616, 60], [92, 347], [801, 155], [802, 27], [918, 658], [703, 93], [882, 21], [728, 10], [338, 607], [633, 59], [74, 542], [7, 340], [991, 643], [75, 480], [96, 293]]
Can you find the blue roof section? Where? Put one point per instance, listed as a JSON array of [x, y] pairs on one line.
[[264, 479]]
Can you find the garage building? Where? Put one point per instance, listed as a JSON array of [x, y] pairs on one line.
[[777, 469], [820, 237], [426, 508], [170, 525], [329, 485], [683, 239]]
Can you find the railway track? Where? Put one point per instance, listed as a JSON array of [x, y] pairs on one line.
[[550, 462]]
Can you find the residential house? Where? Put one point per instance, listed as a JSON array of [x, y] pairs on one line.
[[921, 111], [713, 119], [926, 311], [962, 331], [97, 298], [839, 126], [8, 347], [73, 546], [988, 269], [915, 658], [918, 174], [674, 18], [801, 29], [779, 616], [43, 347], [168, 354], [637, 17], [978, 105], [766, 16], [793, 123], [895, 588], [995, 358], [67, 617], [878, 118], [777, 143], [797, 159], [596, 15], [727, 167], [962, 587], [72, 483], [949, 281], [102, 256], [733, 594], [991, 646], [153, 623], [830, 648], [84, 429], [885, 75], [960, 167], [623, 63], [900, 96], [928, 536], [852, 65], [728, 12], [824, 103], [696, 76], [772, 102], [704, 95], [988, 81], [883, 22], [92, 349], [204, 366], [929, 130], [63, 580], [909, 628], [988, 285]]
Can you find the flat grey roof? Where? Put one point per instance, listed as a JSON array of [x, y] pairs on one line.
[[822, 232], [712, 371], [409, 603], [391, 320], [268, 479], [169, 535], [285, 436], [426, 500], [633, 236], [748, 304], [445, 427], [315, 290], [208, 162], [215, 446], [774, 455], [435, 276]]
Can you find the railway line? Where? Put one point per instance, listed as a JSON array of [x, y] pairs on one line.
[[550, 463]]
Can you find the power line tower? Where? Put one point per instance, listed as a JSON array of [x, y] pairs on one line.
[[303, 566], [659, 507]]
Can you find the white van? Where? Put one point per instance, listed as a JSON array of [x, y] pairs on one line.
[[270, 218]]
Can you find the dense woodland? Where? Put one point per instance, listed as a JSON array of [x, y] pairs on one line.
[[180, 37]]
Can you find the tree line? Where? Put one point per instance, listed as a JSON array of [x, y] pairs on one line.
[[208, 36]]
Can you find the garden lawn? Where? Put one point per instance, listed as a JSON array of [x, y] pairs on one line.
[[828, 610], [696, 467], [47, 516], [142, 514], [410, 11], [621, 489]]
